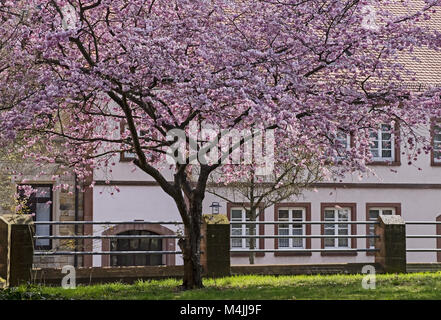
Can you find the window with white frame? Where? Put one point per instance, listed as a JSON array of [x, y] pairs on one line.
[[291, 229], [373, 215], [343, 141], [382, 143], [337, 215], [238, 215], [437, 142]]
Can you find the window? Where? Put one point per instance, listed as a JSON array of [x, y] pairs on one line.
[[338, 212], [436, 141], [373, 210], [145, 244], [237, 215], [341, 145], [40, 205], [292, 229], [373, 216], [382, 143], [337, 215], [343, 141]]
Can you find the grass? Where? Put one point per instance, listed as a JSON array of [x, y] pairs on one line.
[[401, 286]]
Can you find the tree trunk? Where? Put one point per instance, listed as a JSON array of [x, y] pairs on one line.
[[191, 248]]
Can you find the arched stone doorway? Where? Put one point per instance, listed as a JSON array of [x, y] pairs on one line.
[[138, 245]]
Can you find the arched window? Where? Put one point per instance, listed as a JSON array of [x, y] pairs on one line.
[[145, 244]]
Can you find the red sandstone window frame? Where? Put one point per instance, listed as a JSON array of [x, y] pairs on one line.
[[307, 207], [352, 227], [231, 205]]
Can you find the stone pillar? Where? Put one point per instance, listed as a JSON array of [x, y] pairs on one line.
[[215, 245], [16, 248], [391, 244]]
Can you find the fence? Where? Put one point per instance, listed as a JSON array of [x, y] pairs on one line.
[[304, 236], [390, 240], [103, 236], [437, 224]]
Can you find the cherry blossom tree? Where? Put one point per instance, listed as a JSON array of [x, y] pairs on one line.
[[306, 68]]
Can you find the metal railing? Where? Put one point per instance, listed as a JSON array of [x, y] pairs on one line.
[[423, 236], [102, 236], [270, 233], [305, 236], [233, 250]]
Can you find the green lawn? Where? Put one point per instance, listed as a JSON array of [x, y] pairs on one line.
[[402, 286]]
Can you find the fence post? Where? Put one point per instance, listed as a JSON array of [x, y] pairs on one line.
[[16, 248], [391, 244], [215, 245]]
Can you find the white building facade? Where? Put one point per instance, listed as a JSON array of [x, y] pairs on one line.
[[396, 187]]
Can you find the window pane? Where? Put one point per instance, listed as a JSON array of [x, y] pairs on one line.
[[373, 214], [343, 230], [283, 243], [386, 137], [329, 230], [329, 242], [236, 243], [43, 192], [236, 231], [386, 154], [236, 215], [297, 214], [297, 243], [343, 242], [329, 215], [283, 215], [42, 213], [343, 215]]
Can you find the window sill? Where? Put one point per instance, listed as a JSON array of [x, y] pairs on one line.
[[337, 254], [385, 163], [292, 254]]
